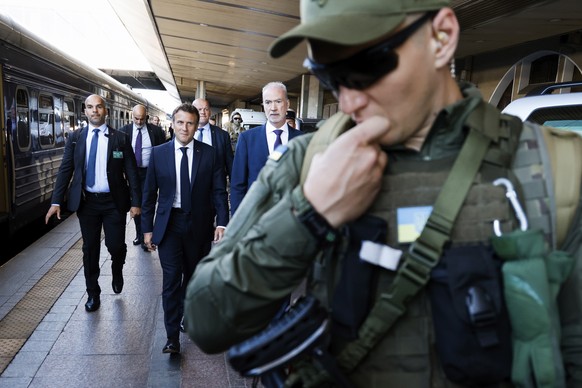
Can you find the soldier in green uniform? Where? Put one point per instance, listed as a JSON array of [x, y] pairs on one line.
[[388, 63]]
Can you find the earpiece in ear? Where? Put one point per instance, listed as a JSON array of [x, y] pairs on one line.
[[442, 37]]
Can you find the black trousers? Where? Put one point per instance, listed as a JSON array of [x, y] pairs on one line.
[[142, 172], [180, 251], [98, 211]]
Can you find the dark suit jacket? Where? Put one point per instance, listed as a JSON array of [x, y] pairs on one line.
[[221, 141], [157, 135], [209, 197], [122, 172], [252, 152]]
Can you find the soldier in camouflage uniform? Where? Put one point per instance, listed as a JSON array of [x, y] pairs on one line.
[[387, 62], [234, 127]]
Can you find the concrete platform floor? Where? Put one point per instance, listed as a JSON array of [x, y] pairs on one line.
[[117, 346]]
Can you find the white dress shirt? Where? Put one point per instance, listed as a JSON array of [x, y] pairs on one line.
[[101, 183], [146, 144], [271, 136], [206, 136], [178, 160]]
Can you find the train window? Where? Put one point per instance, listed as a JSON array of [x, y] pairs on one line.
[[46, 121], [68, 115], [23, 125], [68, 105]]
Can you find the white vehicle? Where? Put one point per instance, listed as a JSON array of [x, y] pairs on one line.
[[554, 110], [251, 118]]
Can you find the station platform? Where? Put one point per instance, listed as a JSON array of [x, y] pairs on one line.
[[47, 339]]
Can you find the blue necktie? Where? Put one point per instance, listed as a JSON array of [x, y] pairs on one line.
[[138, 147], [185, 197], [90, 173], [200, 134], [278, 132]]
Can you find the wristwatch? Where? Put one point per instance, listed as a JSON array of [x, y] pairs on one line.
[[312, 220]]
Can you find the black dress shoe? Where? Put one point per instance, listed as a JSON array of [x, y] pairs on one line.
[[93, 303], [137, 241], [172, 346], [117, 283]]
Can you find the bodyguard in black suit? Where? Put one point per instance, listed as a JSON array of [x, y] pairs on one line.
[[188, 185], [142, 144], [213, 135], [104, 186]]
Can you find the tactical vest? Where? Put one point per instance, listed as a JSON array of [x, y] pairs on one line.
[[406, 355]]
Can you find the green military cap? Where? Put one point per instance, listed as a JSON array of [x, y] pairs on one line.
[[349, 22]]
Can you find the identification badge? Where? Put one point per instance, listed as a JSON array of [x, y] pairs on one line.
[[411, 221], [117, 154]]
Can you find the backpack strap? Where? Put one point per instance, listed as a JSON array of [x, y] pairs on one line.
[[564, 150]]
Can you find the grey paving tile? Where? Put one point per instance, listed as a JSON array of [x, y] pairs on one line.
[[104, 337], [50, 335], [37, 346], [51, 326], [115, 307], [92, 371], [15, 382], [57, 317], [25, 364], [63, 309]]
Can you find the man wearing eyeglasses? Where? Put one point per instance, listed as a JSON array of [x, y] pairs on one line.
[[347, 222], [256, 144]]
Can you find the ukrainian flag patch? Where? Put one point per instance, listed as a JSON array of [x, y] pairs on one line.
[[411, 221], [278, 153]]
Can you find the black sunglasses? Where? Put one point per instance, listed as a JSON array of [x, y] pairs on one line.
[[364, 68], [237, 119]]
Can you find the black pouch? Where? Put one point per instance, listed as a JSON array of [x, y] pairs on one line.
[[354, 295], [472, 329]]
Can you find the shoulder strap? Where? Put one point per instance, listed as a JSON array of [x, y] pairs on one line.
[[564, 150]]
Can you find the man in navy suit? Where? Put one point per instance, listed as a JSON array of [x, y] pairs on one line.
[[188, 184], [142, 144], [104, 186], [213, 135], [256, 144]]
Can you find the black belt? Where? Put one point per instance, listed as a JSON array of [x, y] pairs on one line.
[[179, 211], [102, 195]]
